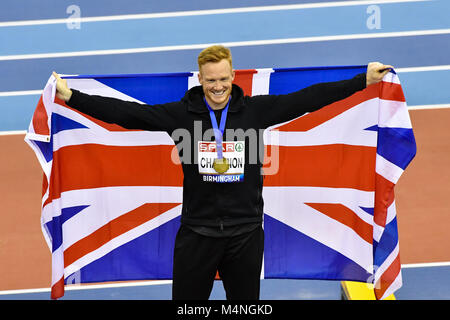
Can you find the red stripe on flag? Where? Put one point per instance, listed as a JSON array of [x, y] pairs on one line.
[[384, 197], [244, 79], [58, 289], [387, 278], [40, 119], [44, 185], [94, 166], [391, 91], [347, 217], [115, 228], [336, 166]]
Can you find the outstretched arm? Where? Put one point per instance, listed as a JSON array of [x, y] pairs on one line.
[[130, 115], [280, 108]]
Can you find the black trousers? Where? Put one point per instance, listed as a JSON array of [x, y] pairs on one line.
[[197, 258]]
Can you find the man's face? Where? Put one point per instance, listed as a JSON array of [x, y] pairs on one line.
[[216, 79]]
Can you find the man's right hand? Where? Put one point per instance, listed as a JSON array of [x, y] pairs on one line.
[[62, 90]]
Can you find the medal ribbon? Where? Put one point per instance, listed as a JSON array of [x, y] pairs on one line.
[[218, 131]]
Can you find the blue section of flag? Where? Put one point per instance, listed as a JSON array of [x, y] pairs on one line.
[[372, 128], [149, 256], [54, 226], [283, 81], [368, 210], [61, 123], [150, 89], [58, 123], [69, 212], [396, 145], [310, 259], [46, 148], [54, 230], [387, 243]]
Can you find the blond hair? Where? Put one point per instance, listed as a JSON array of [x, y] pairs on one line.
[[214, 53]]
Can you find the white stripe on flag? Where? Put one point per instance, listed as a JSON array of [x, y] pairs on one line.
[[377, 229], [122, 239], [286, 204], [106, 204], [193, 80], [261, 82], [394, 114], [397, 283], [387, 169], [391, 77], [107, 138], [336, 130], [386, 263], [391, 213], [57, 265]]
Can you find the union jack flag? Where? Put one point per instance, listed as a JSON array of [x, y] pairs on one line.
[[112, 197]]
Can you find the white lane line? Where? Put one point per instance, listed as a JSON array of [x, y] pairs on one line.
[[421, 69], [429, 107], [91, 286], [20, 93], [426, 265], [12, 133], [165, 282]]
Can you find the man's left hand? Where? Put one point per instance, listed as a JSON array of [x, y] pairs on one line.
[[376, 71]]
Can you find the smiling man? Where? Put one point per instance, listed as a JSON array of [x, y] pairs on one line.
[[221, 220]]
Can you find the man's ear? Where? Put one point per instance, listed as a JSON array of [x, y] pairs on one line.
[[199, 77], [232, 75]]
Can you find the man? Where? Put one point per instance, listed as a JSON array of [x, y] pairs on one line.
[[221, 222]]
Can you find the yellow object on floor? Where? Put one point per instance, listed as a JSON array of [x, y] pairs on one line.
[[360, 291]]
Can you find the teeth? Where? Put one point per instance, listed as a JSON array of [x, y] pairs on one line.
[[219, 93]]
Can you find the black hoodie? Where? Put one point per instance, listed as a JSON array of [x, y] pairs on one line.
[[209, 203]]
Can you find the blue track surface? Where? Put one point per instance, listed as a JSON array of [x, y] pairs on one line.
[[30, 73], [229, 27]]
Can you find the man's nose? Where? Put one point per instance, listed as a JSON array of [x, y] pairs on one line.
[[218, 85]]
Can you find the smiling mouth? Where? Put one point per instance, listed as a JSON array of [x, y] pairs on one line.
[[219, 93]]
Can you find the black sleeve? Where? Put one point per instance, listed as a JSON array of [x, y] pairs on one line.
[[281, 108], [127, 114]]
